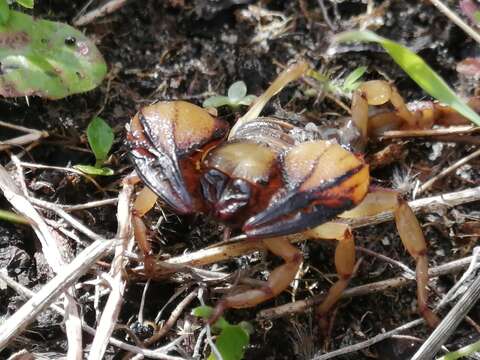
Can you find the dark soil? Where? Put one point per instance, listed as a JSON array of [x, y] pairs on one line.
[[190, 50]]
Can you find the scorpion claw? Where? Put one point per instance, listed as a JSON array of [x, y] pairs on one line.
[[322, 180], [167, 140]]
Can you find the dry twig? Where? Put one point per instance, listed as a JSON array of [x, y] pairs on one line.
[[375, 287], [51, 247], [27, 293], [369, 342], [107, 8], [448, 170], [114, 302], [450, 322], [31, 136], [16, 323], [456, 19]]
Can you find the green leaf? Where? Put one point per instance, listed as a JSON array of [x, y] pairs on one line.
[[417, 69], [26, 3], [247, 100], [231, 343], [94, 170], [4, 12], [237, 91], [47, 59], [216, 101], [351, 81], [203, 312], [100, 137]]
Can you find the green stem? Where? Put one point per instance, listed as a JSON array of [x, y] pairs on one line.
[[463, 352], [13, 217]]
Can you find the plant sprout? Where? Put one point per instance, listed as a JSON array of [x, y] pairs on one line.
[[236, 96], [100, 138], [232, 339]]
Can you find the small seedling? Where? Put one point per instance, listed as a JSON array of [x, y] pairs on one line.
[[343, 87], [100, 138], [45, 58], [231, 340], [417, 69], [352, 81], [236, 96]]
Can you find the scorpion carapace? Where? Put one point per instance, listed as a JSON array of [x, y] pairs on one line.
[[268, 185]]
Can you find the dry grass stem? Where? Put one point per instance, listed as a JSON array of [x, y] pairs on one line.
[[53, 251], [456, 19], [375, 287], [450, 322], [369, 342], [397, 263], [448, 170], [114, 302], [103, 10], [64, 169], [76, 224], [31, 136], [27, 293], [89, 205], [16, 323], [451, 130], [172, 319]]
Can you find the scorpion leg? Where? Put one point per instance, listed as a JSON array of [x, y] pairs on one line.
[[143, 203], [344, 264], [410, 233], [412, 237], [277, 282]]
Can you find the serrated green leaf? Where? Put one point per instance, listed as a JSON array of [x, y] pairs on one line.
[[417, 69], [216, 101], [4, 12], [231, 343], [350, 82], [100, 137], [247, 100], [237, 91], [26, 3], [94, 170], [47, 59]]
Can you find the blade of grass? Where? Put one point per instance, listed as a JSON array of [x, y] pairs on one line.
[[462, 352], [13, 217], [417, 69]]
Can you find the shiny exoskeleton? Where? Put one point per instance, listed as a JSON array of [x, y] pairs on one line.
[[259, 180], [263, 180]]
